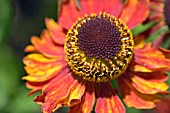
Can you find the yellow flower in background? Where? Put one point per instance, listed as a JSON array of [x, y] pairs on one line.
[[74, 60]]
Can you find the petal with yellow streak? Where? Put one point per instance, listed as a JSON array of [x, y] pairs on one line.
[[148, 85], [38, 85], [152, 58], [165, 52], [139, 68], [41, 68], [54, 92], [135, 12], [107, 99], [133, 98], [87, 101], [30, 48], [64, 92]]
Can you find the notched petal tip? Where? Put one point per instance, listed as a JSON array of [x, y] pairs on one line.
[[64, 92], [56, 32], [149, 86], [133, 98], [107, 100], [87, 101], [152, 58]]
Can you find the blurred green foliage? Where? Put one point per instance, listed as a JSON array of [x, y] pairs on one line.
[[19, 20], [5, 18]]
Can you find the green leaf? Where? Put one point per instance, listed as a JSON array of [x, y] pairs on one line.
[[159, 32], [78, 4], [141, 28], [132, 110], [166, 43], [168, 81]]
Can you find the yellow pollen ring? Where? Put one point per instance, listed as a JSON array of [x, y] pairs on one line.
[[98, 69]]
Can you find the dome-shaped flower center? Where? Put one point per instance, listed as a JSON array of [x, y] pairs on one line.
[[99, 47], [99, 38]]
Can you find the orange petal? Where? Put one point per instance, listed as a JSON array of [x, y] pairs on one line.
[[139, 68], [165, 52], [37, 86], [60, 3], [91, 6], [139, 41], [30, 48], [75, 95], [135, 12], [149, 83], [87, 102], [54, 92], [107, 100], [152, 58], [133, 98], [41, 68], [55, 31], [46, 46], [68, 15], [113, 7]]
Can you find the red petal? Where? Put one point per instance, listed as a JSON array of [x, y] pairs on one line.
[[107, 100], [149, 83], [55, 31], [54, 93], [64, 92], [38, 85], [87, 102], [46, 46], [152, 58], [163, 106], [91, 6], [69, 14], [75, 95], [135, 12], [133, 98], [113, 7], [165, 52]]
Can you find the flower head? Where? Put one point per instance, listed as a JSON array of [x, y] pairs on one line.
[[158, 8], [74, 60]]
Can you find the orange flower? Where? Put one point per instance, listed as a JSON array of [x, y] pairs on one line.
[[158, 8], [73, 66]]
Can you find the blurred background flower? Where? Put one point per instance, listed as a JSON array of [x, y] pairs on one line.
[[19, 20]]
